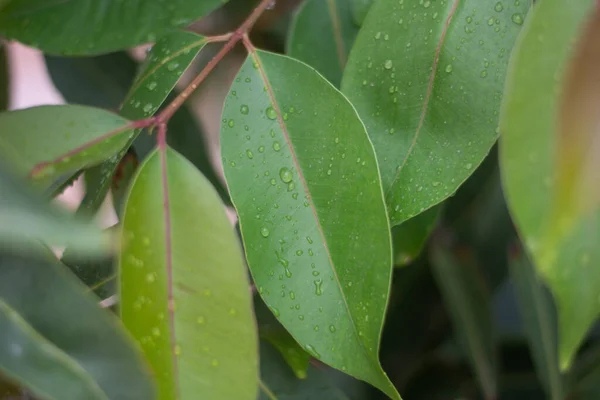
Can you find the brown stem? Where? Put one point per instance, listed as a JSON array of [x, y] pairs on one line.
[[233, 39]]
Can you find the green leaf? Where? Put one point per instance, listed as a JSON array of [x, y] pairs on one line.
[[410, 237], [90, 28], [303, 177], [168, 60], [321, 35], [26, 218], [360, 8], [184, 292], [432, 120], [549, 157], [49, 141], [468, 301], [100, 81], [62, 344], [540, 321], [4, 79]]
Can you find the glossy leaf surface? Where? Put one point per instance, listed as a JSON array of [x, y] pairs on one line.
[[469, 304], [89, 28], [321, 35], [26, 218], [49, 141], [166, 62], [549, 158], [409, 237], [539, 319], [432, 120], [303, 177], [184, 292], [63, 324]]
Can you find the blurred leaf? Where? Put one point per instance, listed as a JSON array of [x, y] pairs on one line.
[[321, 35], [100, 81], [272, 331], [469, 304], [303, 177], [122, 178], [49, 141], [53, 320], [164, 65], [409, 237], [432, 120], [540, 321], [359, 10], [586, 375], [84, 28], [183, 286], [25, 218], [550, 158], [4, 79]]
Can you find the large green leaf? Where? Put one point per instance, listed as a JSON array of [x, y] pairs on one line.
[[410, 237], [184, 291], [321, 35], [164, 65], [303, 177], [49, 141], [433, 119], [539, 319], [26, 218], [59, 342], [469, 303], [100, 81], [550, 158], [71, 27]]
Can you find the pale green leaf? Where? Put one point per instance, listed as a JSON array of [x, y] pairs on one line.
[[184, 291], [303, 177], [410, 237]]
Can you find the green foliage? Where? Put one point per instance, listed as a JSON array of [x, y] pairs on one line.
[[356, 136]]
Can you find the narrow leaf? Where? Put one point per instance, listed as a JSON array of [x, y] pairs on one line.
[[184, 291], [550, 158], [303, 177], [540, 321], [26, 218], [49, 141], [321, 35], [4, 79], [434, 119], [95, 358], [469, 304], [164, 65], [409, 237], [90, 28]]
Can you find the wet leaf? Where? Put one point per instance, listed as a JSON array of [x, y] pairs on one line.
[[550, 158], [469, 303], [62, 344], [539, 318], [166, 62], [409, 237], [321, 35], [434, 119], [49, 141], [82, 28], [184, 292], [303, 177]]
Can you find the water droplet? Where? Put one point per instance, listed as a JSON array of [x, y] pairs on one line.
[[271, 113], [261, 149], [483, 74], [244, 109], [292, 295], [517, 19], [449, 68], [309, 240], [249, 154], [331, 328], [468, 166], [264, 231], [200, 320], [276, 146], [148, 107], [151, 277], [172, 66], [311, 350], [388, 64], [152, 85], [498, 7], [285, 175], [316, 273], [318, 284], [299, 252], [231, 123], [156, 331]]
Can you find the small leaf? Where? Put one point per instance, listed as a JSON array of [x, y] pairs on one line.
[[409, 237], [321, 35], [100, 81], [164, 65], [49, 141], [65, 345], [550, 158], [540, 321], [25, 218], [434, 119], [184, 290], [469, 304], [82, 28], [303, 177]]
